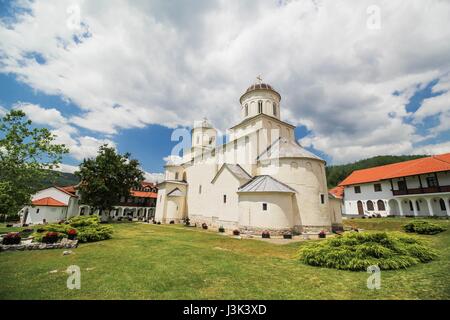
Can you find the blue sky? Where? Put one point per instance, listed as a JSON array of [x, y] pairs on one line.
[[129, 73]]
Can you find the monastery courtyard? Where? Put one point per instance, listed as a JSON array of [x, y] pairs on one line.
[[176, 262]]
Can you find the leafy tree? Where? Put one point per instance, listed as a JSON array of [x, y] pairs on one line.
[[26, 156], [107, 178]]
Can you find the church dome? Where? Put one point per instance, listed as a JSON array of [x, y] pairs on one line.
[[260, 86]]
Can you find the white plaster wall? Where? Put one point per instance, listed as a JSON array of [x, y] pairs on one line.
[[307, 177], [37, 214], [53, 193], [367, 193], [279, 214]]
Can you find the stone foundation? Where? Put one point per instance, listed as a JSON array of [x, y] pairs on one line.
[[68, 244]]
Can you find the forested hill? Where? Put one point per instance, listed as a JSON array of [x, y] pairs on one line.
[[336, 174], [60, 179]]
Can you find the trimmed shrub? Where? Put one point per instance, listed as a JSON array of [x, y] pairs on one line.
[[357, 251], [89, 228], [423, 227], [84, 228], [265, 234], [236, 232], [221, 229]]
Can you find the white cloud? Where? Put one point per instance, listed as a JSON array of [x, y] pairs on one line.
[[139, 63], [67, 168], [80, 147], [154, 177]]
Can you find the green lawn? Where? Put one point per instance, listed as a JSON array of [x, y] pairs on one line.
[[173, 262]]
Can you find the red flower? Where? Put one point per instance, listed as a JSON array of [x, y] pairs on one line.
[[12, 235], [72, 232]]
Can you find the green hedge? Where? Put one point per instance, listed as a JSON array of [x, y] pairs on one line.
[[88, 229], [423, 227], [357, 251]]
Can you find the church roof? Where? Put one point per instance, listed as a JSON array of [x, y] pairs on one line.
[[48, 202], [265, 183], [286, 148], [236, 170], [175, 193], [260, 86]]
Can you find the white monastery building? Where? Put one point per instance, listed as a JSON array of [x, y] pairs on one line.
[[56, 204], [418, 187], [261, 179]]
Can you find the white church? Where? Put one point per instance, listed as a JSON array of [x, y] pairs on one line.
[[261, 179]]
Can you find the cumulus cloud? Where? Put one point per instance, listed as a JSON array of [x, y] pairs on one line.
[[80, 146], [153, 177], [131, 64], [67, 168]]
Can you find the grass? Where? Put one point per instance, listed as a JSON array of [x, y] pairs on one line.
[[173, 262]]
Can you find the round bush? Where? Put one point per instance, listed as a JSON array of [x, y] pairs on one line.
[[423, 227], [357, 251]]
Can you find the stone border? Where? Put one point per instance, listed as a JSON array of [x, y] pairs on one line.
[[68, 244]]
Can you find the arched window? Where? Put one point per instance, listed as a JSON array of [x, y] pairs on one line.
[[176, 175], [380, 205], [442, 204], [370, 205], [274, 109], [360, 207], [246, 109], [417, 205], [411, 205], [260, 107]]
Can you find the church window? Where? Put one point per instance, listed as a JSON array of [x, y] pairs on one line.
[[224, 198], [370, 205], [200, 189], [357, 189], [260, 106], [176, 175], [246, 109], [37, 210], [411, 206], [274, 109], [322, 198], [247, 140], [264, 207], [235, 144]]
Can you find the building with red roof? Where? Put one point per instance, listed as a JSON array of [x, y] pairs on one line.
[[419, 187], [55, 204]]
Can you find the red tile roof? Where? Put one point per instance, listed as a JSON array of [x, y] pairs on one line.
[[402, 169], [143, 194], [48, 201], [67, 190], [337, 192]]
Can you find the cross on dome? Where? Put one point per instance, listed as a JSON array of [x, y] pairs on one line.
[[259, 79]]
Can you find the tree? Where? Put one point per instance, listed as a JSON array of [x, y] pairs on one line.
[[26, 156], [107, 178]]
